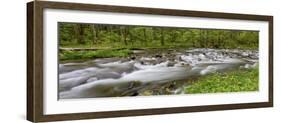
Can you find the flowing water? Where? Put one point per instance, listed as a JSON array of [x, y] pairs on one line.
[[147, 72]]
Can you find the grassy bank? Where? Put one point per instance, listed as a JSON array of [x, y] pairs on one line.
[[137, 45], [235, 81], [78, 55]]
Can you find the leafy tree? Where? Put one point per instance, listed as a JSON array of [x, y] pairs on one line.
[[122, 36]]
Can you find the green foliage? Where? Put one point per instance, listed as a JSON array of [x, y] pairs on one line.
[[120, 36], [235, 81], [78, 55]]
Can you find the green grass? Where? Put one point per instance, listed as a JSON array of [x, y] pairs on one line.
[[116, 45], [235, 81], [80, 55]]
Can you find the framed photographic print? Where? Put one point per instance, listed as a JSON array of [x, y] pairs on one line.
[[96, 61]]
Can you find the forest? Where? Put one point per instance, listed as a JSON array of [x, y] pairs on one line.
[[102, 36]]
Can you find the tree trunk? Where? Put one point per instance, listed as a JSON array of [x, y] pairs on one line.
[[144, 36], [79, 33], [125, 33], [94, 39], [162, 37], [131, 36]]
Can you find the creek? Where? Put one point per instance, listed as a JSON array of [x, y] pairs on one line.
[[148, 72]]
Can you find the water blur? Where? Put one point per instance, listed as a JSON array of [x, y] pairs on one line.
[[166, 71]]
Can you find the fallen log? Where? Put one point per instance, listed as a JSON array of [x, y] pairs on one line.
[[78, 49], [94, 49]]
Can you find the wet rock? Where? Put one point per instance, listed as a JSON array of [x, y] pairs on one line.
[[245, 54], [133, 58], [171, 64], [92, 79], [158, 56], [135, 94]]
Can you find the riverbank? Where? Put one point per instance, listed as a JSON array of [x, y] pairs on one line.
[[87, 54], [84, 55], [234, 81]]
